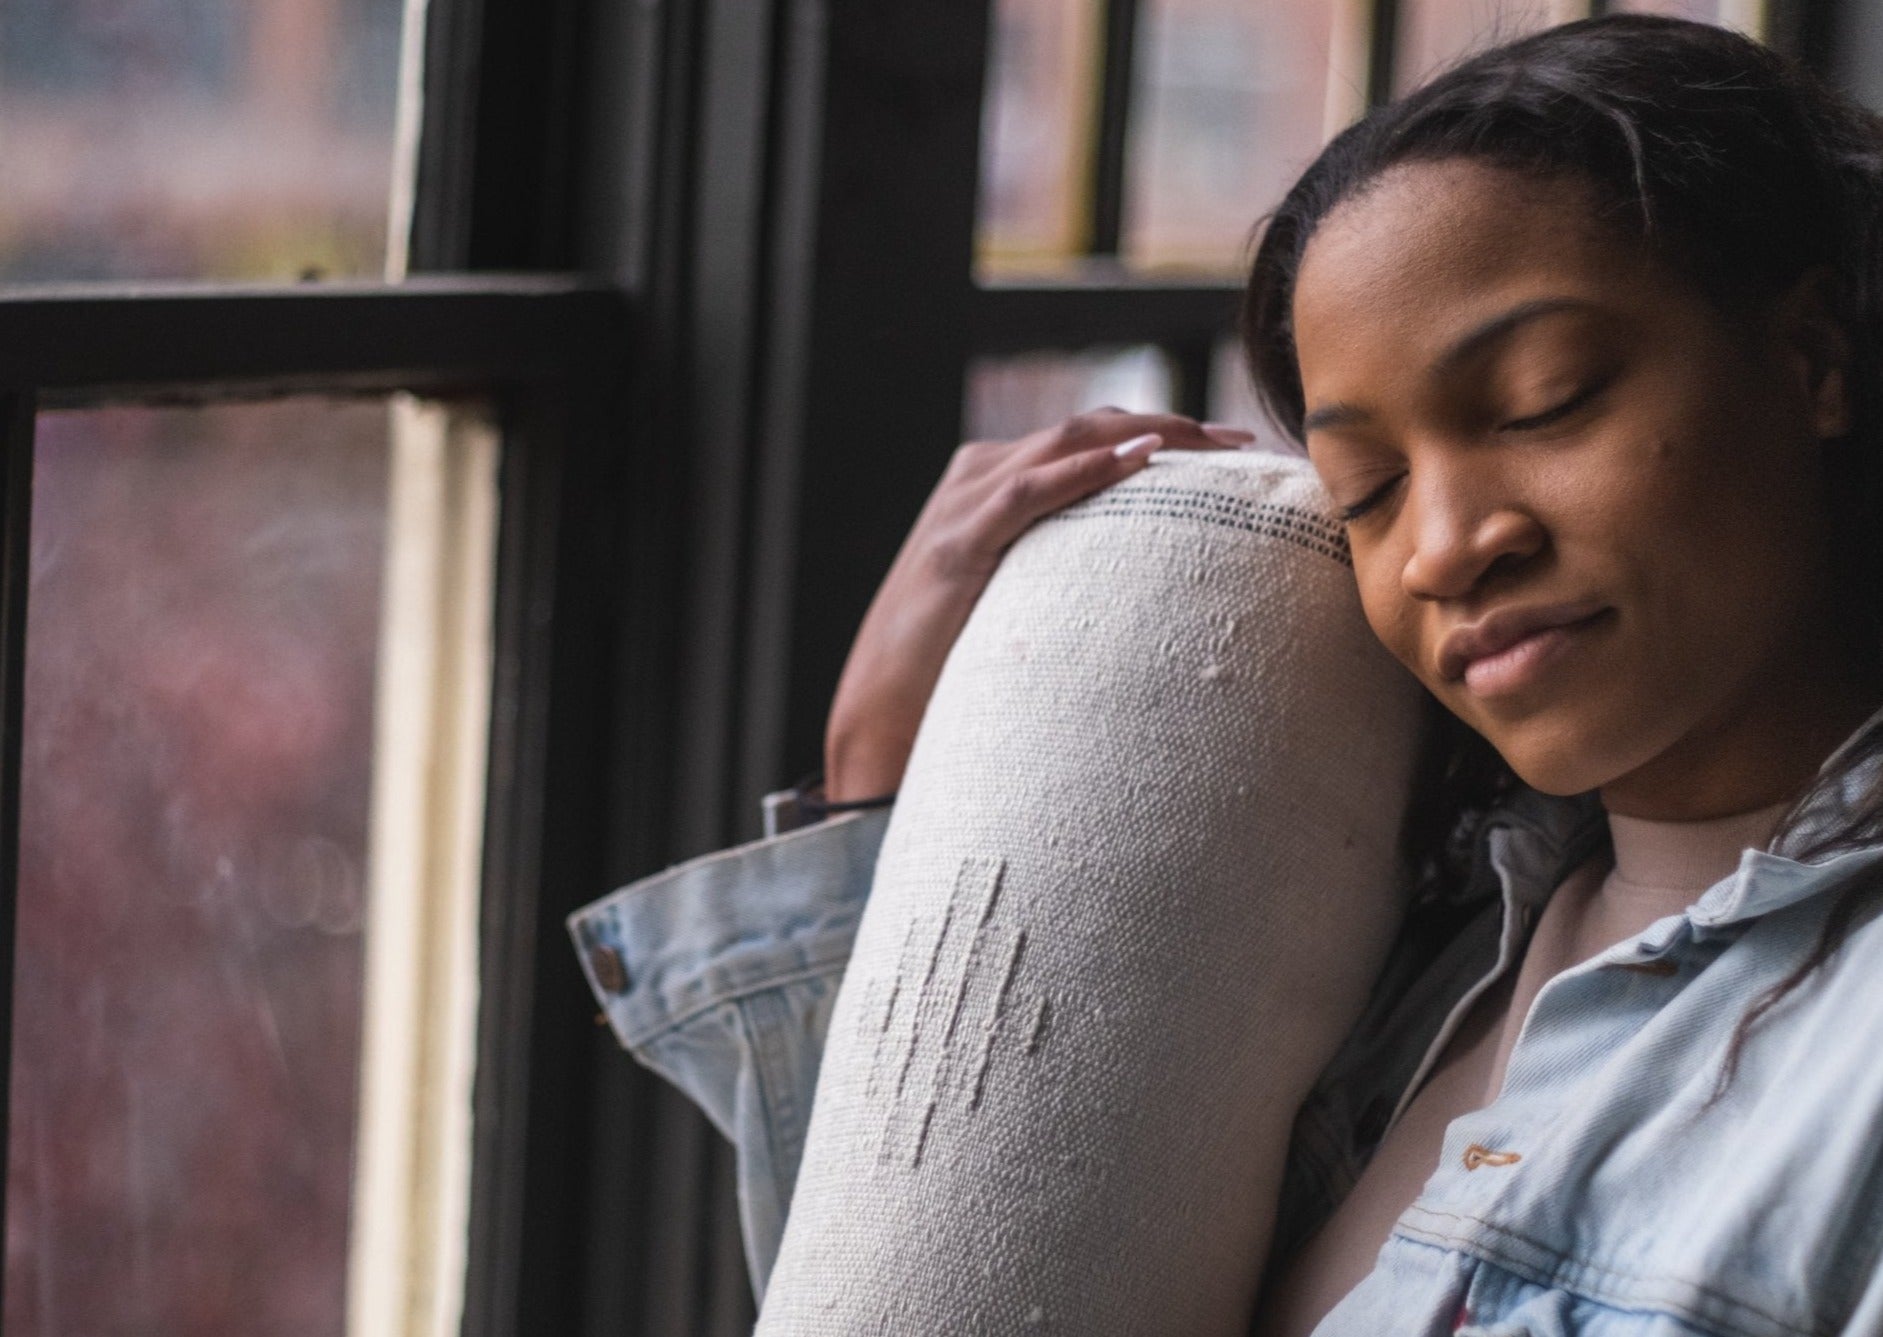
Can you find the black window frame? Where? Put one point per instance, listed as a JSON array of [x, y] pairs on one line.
[[496, 311]]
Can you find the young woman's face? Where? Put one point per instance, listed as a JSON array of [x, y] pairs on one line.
[[1532, 420]]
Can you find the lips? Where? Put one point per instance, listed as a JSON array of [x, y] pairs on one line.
[[1504, 628]]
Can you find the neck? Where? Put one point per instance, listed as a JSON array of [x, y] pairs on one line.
[[1653, 860], [1750, 755]]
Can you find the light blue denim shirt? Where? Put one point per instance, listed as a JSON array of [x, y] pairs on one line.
[[1594, 1196]]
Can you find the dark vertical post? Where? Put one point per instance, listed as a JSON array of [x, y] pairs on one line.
[[1192, 367], [504, 1277], [499, 136], [1382, 41], [738, 146], [1836, 38], [871, 310], [16, 506], [654, 1164], [1111, 142]]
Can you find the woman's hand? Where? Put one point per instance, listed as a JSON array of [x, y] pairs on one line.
[[988, 495]]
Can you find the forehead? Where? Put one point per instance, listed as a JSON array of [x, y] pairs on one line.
[[1428, 247]]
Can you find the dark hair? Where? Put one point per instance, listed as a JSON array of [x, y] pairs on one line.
[[1737, 168]]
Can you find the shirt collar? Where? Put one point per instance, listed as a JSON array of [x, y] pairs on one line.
[[1535, 840], [1768, 880]]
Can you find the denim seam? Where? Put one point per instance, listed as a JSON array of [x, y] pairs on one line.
[[763, 1084], [668, 1018], [1555, 1276]]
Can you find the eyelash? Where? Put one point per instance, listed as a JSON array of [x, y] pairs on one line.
[[1563, 409], [1351, 513], [1543, 419]]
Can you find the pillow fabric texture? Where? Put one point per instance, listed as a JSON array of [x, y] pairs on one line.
[[1139, 880]]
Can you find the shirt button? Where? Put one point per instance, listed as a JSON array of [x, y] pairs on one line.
[[1477, 1155], [1371, 1126], [610, 973]]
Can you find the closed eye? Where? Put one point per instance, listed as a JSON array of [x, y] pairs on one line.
[[1544, 419], [1372, 499], [1562, 410]]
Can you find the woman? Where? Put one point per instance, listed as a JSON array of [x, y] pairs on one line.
[[1583, 339]]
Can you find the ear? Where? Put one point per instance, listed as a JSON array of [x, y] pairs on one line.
[[1817, 347]]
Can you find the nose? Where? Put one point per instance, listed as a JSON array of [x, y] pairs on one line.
[[1461, 529]]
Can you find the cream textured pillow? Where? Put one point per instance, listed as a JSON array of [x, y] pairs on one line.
[[1139, 880]]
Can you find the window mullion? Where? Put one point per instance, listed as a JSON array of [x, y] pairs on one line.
[[1192, 366], [1110, 146], [16, 492], [1023, 317], [1382, 36], [90, 344]]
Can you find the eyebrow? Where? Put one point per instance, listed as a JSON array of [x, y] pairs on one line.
[[1343, 413]]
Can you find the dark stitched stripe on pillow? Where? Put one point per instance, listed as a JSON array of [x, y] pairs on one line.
[[1295, 524]]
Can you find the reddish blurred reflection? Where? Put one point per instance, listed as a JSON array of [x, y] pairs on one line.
[[197, 759]]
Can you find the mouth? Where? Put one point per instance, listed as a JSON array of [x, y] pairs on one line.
[[1526, 661]]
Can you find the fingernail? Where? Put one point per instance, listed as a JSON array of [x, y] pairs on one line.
[[1137, 445], [1228, 436]]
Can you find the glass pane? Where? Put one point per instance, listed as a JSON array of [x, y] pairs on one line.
[[1011, 396], [1857, 53], [1433, 33], [198, 760], [1231, 103], [1701, 11], [195, 139], [1233, 402], [1035, 135]]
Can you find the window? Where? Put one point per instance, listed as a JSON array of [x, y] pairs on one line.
[[197, 761], [280, 535]]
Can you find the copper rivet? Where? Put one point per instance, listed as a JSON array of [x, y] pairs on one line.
[[609, 972]]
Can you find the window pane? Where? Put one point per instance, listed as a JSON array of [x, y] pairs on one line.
[[202, 765], [1233, 402], [1035, 134], [1433, 33], [1857, 53], [1011, 396], [1702, 11], [144, 139], [1231, 103]]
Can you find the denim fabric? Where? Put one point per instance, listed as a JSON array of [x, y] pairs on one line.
[[1598, 1194], [720, 975]]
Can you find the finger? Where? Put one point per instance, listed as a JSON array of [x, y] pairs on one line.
[[1044, 488], [1228, 435], [1109, 427]]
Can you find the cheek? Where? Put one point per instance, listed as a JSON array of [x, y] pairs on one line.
[[1707, 534], [1390, 612]]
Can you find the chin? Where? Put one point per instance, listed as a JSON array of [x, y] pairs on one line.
[[1559, 780], [1558, 757]]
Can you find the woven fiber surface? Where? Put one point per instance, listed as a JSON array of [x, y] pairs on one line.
[[1137, 884]]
